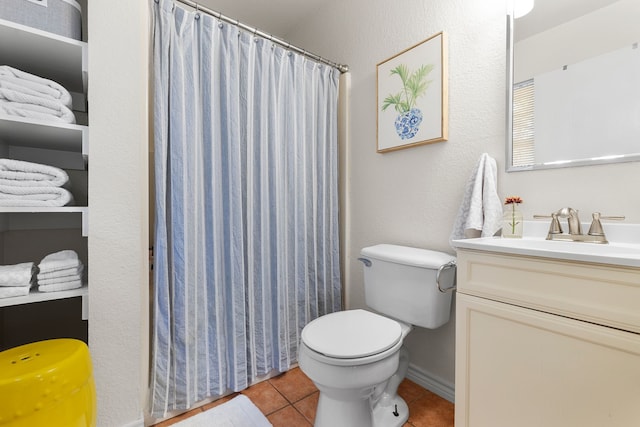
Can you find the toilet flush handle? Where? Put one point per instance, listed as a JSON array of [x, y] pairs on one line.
[[450, 264], [366, 262]]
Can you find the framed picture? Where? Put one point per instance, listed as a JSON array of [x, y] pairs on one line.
[[412, 96]]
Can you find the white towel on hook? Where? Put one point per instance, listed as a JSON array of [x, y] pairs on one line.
[[480, 213], [28, 174]]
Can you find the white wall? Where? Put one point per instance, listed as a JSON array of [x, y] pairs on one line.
[[411, 196], [408, 197], [118, 220]]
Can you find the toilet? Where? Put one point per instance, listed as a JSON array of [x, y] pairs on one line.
[[356, 357]]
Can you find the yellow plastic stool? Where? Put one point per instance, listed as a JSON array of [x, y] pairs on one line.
[[47, 383]]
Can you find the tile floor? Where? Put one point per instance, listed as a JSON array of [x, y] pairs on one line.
[[290, 400]]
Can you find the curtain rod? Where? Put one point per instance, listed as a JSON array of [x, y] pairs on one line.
[[198, 7]]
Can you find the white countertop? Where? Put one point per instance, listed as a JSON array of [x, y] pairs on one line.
[[623, 248]]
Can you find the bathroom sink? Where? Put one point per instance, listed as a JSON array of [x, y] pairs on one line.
[[623, 248]]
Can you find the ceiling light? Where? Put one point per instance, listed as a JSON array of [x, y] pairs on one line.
[[522, 7]]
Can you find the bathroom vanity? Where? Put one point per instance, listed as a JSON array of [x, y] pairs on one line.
[[547, 332]]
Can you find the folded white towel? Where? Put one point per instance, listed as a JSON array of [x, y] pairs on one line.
[[28, 174], [36, 112], [480, 213], [14, 291], [74, 284], [17, 274], [60, 260], [35, 85], [34, 196], [61, 274]]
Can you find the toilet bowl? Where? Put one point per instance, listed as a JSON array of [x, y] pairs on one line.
[[356, 357], [350, 356]]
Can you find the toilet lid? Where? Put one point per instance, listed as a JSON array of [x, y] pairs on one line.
[[351, 334]]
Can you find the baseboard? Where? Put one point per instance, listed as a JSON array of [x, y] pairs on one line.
[[437, 385]]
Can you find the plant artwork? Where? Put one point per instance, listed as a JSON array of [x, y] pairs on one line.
[[413, 112], [413, 86]]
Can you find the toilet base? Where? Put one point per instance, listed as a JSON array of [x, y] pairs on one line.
[[385, 416], [389, 409], [342, 413]]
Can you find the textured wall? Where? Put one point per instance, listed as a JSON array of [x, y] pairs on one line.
[[118, 221], [411, 196]]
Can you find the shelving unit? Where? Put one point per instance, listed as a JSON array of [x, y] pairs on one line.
[[62, 60], [51, 136], [59, 58], [34, 297]]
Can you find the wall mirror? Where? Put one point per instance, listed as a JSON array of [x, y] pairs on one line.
[[573, 84]]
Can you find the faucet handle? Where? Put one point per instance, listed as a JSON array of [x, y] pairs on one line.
[[555, 227], [596, 225]]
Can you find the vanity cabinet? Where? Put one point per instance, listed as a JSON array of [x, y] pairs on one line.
[[546, 342], [30, 233]]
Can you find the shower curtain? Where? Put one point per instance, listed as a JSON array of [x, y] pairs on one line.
[[247, 245]]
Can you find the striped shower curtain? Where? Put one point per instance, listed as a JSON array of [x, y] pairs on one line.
[[246, 236]]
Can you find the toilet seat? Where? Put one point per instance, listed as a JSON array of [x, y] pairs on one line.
[[351, 334]]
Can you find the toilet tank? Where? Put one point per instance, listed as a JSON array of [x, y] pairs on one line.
[[400, 282]]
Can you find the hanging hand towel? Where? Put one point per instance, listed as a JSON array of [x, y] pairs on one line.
[[74, 284], [59, 261], [27, 174], [17, 274], [14, 291], [35, 85], [34, 196], [480, 214]]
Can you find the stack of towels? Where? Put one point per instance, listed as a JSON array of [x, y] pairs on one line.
[[16, 280], [60, 271], [32, 184], [33, 97]]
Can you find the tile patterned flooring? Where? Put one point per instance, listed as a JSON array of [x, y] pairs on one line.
[[290, 400]]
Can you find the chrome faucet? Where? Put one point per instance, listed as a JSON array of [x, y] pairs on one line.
[[572, 219], [595, 234]]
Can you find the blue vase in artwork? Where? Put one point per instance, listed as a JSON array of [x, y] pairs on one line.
[[408, 123]]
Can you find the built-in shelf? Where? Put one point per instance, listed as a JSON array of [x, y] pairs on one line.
[[64, 61], [35, 296], [84, 210], [19, 131], [45, 54]]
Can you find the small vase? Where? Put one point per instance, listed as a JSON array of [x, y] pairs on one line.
[[407, 124], [512, 222]]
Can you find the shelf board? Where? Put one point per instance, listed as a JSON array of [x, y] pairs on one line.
[[19, 131], [46, 209], [44, 54], [84, 210], [35, 296]]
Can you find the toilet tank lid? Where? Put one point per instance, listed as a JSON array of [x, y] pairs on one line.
[[416, 257]]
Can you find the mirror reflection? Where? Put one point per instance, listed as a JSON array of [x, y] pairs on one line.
[[574, 84]]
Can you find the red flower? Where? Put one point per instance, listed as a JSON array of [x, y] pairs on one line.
[[512, 199]]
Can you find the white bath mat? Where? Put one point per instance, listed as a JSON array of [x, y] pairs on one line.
[[238, 412]]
